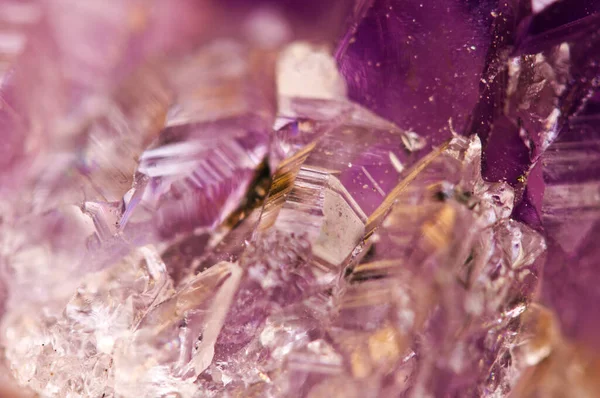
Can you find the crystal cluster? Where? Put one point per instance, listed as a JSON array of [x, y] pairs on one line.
[[359, 198]]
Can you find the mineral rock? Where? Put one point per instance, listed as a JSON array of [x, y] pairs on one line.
[[366, 198]]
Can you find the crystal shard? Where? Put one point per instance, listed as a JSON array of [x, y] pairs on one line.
[[115, 138], [216, 135], [340, 166], [362, 150], [188, 323], [395, 66], [324, 207], [391, 286]]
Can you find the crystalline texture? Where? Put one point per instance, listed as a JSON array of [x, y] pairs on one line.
[[72, 353], [570, 213], [189, 207], [175, 339], [395, 65], [115, 137], [216, 135], [477, 275]]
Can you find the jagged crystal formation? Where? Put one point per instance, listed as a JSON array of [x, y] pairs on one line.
[[252, 198], [214, 138]]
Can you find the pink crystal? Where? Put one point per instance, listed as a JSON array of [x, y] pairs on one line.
[[257, 198]]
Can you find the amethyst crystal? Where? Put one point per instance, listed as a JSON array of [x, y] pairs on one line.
[[360, 198]]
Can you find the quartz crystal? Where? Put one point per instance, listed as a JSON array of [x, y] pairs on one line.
[[345, 198]]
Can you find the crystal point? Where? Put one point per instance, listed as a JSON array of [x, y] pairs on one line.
[[216, 135]]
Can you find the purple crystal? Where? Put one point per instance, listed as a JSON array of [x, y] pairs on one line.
[[267, 198], [570, 216], [418, 63], [215, 136]]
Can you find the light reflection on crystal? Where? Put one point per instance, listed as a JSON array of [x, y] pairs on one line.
[[176, 179], [191, 208], [165, 348]]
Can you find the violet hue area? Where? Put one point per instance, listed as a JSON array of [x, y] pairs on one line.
[[345, 198]]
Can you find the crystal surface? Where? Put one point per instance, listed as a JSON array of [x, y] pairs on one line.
[[361, 198], [216, 134]]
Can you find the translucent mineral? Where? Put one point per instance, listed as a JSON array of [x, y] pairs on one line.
[[346, 198]]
